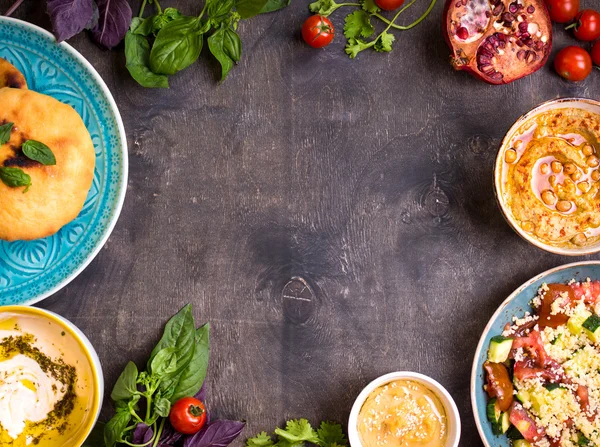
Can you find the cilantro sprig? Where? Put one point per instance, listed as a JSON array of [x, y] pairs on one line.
[[358, 25], [297, 432]]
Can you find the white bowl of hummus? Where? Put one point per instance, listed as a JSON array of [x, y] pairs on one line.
[[51, 383], [547, 176], [404, 409]]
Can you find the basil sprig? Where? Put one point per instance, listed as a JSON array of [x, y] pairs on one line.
[[5, 130], [15, 178], [36, 151]]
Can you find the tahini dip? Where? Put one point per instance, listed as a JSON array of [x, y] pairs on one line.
[[402, 413], [550, 177]]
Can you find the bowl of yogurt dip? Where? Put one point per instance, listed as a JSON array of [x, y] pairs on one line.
[[404, 409], [51, 383]]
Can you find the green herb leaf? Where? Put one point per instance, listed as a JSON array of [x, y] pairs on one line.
[[358, 24], [370, 6], [331, 434], [192, 377], [15, 177], [142, 27], [126, 385], [137, 55], [115, 427], [165, 362], [5, 131], [260, 440], [219, 9], [226, 46], [160, 20], [162, 407], [36, 151], [275, 5], [178, 45], [298, 430], [323, 7], [249, 8], [96, 436], [355, 46], [384, 42]]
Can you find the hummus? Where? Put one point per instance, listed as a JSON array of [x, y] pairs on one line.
[[550, 177], [402, 413]]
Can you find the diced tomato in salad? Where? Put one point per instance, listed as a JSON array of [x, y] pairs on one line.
[[499, 384], [525, 424]]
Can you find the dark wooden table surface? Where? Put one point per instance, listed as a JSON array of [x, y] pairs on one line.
[[369, 180]]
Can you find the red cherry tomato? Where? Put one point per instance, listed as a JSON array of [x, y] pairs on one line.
[[188, 415], [318, 31], [596, 53], [389, 5], [587, 25], [562, 11], [573, 63]]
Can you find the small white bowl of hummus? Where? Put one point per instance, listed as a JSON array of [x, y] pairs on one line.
[[547, 176], [404, 409], [51, 383]]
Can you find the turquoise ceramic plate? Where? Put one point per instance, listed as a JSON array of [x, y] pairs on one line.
[[516, 304], [31, 271]]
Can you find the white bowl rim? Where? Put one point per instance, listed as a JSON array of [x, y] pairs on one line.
[[474, 370], [85, 342], [123, 136], [452, 413], [553, 103]]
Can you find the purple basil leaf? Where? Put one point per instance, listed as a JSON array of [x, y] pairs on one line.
[[215, 434], [169, 436], [95, 16], [69, 17], [113, 23], [201, 395], [142, 434]]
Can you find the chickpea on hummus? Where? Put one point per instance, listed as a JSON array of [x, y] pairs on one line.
[[550, 177]]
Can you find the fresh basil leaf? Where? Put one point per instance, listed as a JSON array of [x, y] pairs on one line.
[[69, 17], [249, 8], [216, 434], [178, 45], [5, 131], [113, 430], [226, 46], [192, 377], [140, 26], [96, 436], [171, 13], [162, 407], [137, 55], [180, 334], [161, 20], [113, 22], [15, 177], [36, 151], [218, 9], [142, 434], [165, 362], [126, 385], [275, 5]]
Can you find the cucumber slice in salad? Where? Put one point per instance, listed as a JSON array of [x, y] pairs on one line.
[[575, 323], [513, 433], [521, 443], [504, 423], [592, 327], [500, 421], [499, 349]]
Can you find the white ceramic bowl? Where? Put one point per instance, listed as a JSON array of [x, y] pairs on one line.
[[452, 416], [578, 103], [57, 337]]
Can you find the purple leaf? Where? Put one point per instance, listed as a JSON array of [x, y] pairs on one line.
[[142, 434], [69, 17], [216, 434], [169, 436], [113, 23], [201, 395]]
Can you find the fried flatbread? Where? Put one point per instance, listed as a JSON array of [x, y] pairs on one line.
[[57, 193], [10, 76]]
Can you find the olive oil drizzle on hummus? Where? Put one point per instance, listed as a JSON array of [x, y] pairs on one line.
[[59, 370]]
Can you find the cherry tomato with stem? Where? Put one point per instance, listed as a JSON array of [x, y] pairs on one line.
[[562, 11], [318, 31], [573, 63], [389, 5], [587, 25], [188, 415], [596, 53]]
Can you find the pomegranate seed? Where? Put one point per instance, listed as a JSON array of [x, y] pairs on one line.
[[521, 55], [508, 18], [523, 27], [458, 4], [462, 33], [498, 9], [497, 76], [464, 2], [513, 7], [531, 9]]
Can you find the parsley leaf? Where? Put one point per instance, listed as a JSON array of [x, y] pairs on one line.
[[298, 430], [370, 6], [355, 46], [331, 435], [260, 440], [358, 24], [384, 42], [323, 7]]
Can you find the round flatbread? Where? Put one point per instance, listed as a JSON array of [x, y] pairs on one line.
[[58, 192], [10, 76]]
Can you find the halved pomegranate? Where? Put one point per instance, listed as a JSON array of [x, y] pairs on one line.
[[498, 41]]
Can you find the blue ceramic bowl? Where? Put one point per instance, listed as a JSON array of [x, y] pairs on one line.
[[516, 304]]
